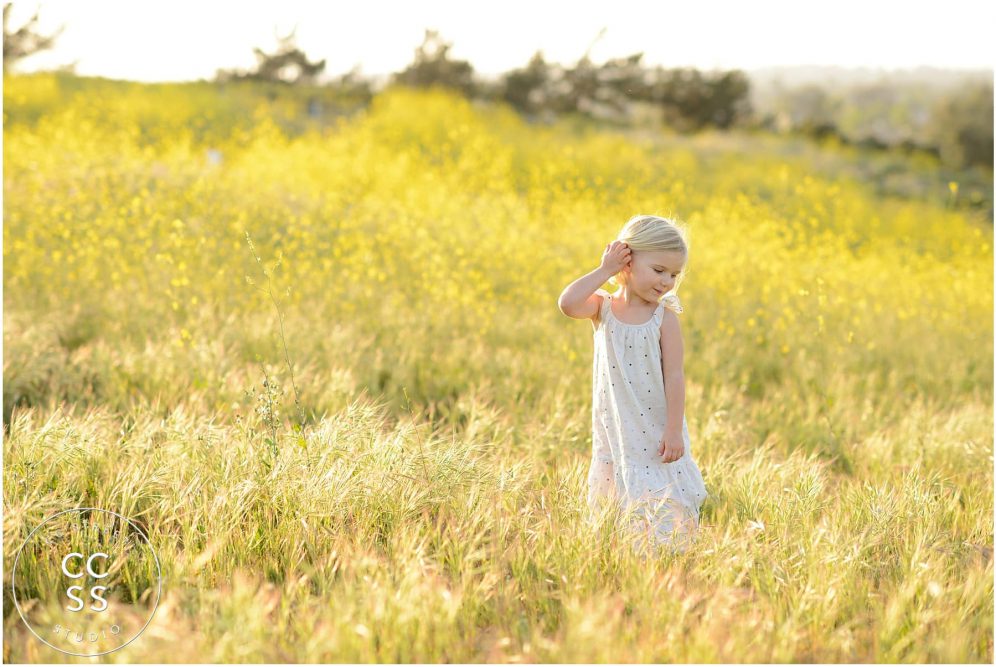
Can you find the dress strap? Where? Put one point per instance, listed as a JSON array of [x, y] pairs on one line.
[[605, 303], [670, 301]]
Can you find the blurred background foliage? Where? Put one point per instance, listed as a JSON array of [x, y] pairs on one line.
[[431, 217], [945, 114]]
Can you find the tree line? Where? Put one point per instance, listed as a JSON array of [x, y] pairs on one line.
[[621, 90]]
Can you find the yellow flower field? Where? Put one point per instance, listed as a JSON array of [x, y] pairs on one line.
[[839, 356]]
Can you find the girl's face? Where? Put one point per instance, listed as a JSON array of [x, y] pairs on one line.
[[652, 273]]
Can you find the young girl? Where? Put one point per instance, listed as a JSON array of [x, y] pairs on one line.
[[641, 453]]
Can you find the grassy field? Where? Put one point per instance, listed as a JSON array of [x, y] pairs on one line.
[[839, 355]]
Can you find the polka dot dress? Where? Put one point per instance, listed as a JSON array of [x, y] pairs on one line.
[[629, 413]]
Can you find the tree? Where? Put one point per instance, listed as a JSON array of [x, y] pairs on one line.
[[581, 89], [526, 88], [288, 64], [621, 82], [729, 100], [681, 92], [691, 100], [24, 41], [577, 89], [962, 126], [432, 66]]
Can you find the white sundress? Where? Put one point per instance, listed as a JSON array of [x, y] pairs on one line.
[[629, 413]]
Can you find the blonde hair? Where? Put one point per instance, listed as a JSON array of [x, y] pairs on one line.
[[650, 232]]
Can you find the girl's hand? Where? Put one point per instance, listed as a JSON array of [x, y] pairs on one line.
[[672, 447], [615, 257]]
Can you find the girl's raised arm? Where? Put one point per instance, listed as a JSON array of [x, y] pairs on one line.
[[578, 300]]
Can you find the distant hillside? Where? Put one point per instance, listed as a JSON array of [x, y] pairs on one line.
[[795, 75]]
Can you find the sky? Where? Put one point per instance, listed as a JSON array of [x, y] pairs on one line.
[[184, 40]]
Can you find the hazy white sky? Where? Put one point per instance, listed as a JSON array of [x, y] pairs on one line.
[[190, 39]]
